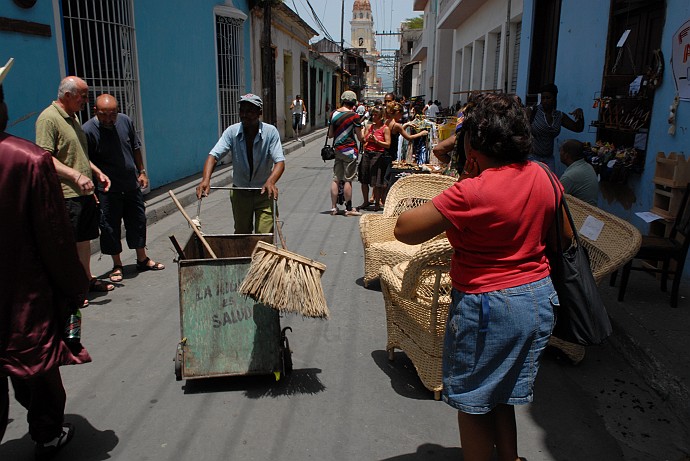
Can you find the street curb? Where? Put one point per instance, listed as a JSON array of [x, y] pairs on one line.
[[656, 372], [159, 204]]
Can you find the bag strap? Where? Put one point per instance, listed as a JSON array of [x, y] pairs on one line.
[[559, 210], [328, 125]]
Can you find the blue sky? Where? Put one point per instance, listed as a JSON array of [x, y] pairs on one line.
[[387, 17]]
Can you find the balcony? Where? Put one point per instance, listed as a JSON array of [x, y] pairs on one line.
[[452, 13], [419, 5], [420, 49]]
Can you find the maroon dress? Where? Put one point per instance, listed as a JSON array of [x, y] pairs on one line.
[[40, 272]]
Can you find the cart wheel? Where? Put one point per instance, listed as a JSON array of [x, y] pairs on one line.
[[285, 352], [178, 363]]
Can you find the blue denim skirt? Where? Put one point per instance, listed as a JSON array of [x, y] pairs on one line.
[[493, 345]]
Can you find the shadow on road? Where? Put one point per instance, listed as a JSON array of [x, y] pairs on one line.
[[301, 381], [403, 375], [430, 451], [88, 444]]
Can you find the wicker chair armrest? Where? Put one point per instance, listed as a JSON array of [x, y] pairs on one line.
[[376, 228], [617, 244], [434, 255], [388, 277]]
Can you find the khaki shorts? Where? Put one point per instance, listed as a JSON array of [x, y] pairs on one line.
[[252, 212], [344, 168]]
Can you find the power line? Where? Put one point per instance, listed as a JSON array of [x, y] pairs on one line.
[[319, 23]]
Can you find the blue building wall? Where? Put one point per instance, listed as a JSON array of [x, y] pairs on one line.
[[33, 81], [579, 71], [320, 112], [177, 75]]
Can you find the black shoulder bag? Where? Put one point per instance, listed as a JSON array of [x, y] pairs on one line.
[[327, 151], [582, 316]]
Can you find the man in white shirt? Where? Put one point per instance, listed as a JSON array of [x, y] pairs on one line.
[[298, 109], [432, 111]]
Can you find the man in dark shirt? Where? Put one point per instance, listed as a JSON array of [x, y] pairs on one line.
[[115, 148]]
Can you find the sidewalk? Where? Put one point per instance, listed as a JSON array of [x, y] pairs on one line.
[[653, 337]]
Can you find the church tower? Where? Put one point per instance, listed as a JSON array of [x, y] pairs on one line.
[[362, 37]]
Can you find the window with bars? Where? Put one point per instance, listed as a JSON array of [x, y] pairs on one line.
[[99, 47], [230, 64]]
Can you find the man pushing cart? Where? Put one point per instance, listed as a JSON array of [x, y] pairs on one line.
[[258, 163]]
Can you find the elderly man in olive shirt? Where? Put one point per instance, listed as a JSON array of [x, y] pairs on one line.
[[59, 132]]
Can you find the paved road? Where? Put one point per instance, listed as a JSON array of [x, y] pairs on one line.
[[345, 400]]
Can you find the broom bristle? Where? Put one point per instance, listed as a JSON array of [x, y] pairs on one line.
[[286, 282]]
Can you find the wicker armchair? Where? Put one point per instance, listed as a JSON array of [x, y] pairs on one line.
[[380, 245], [417, 296], [617, 244]]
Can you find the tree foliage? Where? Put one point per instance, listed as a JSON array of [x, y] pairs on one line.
[[415, 23]]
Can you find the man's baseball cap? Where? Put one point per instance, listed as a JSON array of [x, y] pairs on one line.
[[348, 96], [5, 69], [253, 99]]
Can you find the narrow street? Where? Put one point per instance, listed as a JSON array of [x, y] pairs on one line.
[[345, 401]]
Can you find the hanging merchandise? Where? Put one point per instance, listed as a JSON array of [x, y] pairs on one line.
[[680, 64]]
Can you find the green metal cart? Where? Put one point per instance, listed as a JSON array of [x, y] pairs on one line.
[[223, 332]]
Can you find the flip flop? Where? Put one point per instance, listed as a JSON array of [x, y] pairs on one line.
[[143, 266], [99, 286], [116, 273]]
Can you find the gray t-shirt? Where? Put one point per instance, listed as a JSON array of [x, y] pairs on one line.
[[580, 180]]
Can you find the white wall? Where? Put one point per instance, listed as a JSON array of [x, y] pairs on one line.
[[474, 42]]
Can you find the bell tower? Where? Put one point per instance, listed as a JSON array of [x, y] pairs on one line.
[[362, 26], [363, 38]]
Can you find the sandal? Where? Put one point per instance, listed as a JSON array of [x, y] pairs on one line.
[[145, 266], [99, 286], [334, 211], [353, 212], [116, 274]]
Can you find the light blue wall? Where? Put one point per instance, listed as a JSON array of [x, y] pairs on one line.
[[579, 71], [33, 81], [326, 91], [177, 71]]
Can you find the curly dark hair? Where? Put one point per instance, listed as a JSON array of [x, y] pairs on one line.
[[498, 127]]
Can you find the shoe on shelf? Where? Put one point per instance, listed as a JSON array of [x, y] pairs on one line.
[[47, 450]]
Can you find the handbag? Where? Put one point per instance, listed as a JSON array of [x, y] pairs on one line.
[[582, 316], [327, 151]]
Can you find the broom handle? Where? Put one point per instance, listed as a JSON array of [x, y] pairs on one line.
[[191, 223]]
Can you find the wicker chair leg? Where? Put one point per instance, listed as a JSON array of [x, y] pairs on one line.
[[437, 395], [391, 355]]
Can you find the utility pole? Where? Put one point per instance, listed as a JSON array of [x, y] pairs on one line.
[[342, 47], [268, 68]]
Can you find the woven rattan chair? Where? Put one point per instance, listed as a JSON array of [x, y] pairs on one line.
[[417, 296], [380, 245], [617, 244]]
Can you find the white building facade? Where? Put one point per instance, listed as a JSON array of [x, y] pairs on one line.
[[467, 45]]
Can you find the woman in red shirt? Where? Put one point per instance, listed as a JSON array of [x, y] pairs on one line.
[[372, 167], [502, 311]]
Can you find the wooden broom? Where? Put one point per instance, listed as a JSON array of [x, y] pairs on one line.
[[285, 281]]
